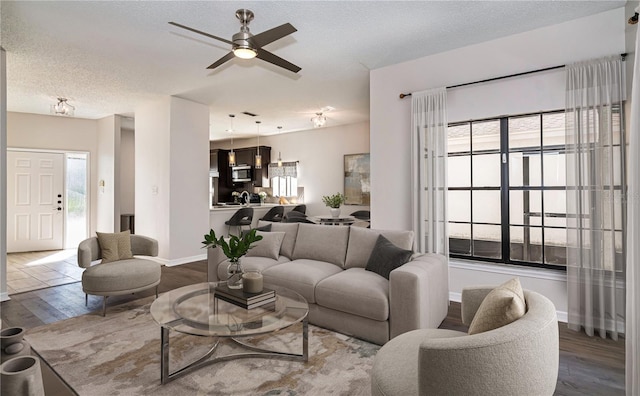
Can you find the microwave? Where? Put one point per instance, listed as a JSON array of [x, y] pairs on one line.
[[241, 174]]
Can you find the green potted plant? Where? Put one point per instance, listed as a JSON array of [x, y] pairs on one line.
[[234, 248], [334, 202]]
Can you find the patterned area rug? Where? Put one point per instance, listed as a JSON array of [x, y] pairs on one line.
[[120, 355]]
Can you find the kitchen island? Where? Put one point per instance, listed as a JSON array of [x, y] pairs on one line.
[[221, 213]]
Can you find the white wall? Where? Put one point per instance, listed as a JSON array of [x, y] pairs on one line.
[[36, 131], [171, 177], [127, 171], [3, 174], [108, 170], [321, 154], [581, 39]]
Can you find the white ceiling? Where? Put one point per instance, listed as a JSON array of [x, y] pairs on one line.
[[109, 57]]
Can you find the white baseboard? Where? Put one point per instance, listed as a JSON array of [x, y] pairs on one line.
[[179, 261], [4, 296], [457, 297]]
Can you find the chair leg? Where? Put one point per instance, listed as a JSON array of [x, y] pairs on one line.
[[104, 306], [156, 291], [86, 299]]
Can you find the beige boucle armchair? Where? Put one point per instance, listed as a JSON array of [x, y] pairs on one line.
[[520, 358], [122, 276]]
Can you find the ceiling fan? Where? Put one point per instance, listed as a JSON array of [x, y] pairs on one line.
[[245, 45]]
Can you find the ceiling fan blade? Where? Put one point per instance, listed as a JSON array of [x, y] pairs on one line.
[[276, 60], [222, 60], [271, 35], [202, 33]]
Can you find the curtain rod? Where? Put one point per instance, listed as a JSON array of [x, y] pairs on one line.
[[404, 95]]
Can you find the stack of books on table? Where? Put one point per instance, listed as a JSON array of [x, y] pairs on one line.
[[244, 299]]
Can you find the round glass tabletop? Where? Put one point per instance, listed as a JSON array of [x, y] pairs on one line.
[[194, 309]]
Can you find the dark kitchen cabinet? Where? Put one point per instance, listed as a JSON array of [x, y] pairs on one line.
[[247, 155]]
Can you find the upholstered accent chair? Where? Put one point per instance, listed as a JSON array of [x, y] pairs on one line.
[[520, 358], [118, 277]]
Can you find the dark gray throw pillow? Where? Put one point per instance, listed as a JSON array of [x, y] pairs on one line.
[[385, 257]]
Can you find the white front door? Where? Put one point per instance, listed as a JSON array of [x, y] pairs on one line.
[[35, 188]]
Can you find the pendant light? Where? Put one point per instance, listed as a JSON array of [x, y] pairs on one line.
[[258, 161], [279, 157], [232, 154]]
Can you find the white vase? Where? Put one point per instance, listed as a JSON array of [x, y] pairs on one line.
[[21, 376], [335, 212]]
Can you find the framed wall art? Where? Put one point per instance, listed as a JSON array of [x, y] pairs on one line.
[[357, 182]]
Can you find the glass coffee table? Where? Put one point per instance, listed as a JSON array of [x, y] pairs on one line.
[[195, 310]]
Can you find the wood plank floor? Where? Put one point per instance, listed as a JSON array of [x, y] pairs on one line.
[[588, 365]]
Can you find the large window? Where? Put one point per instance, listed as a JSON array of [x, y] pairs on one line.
[[507, 190]]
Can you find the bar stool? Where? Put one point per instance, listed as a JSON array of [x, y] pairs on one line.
[[274, 214], [243, 217], [300, 208]]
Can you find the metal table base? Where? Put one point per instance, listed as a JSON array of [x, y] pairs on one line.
[[167, 376]]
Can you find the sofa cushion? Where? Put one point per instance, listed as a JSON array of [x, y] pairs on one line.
[[115, 246], [268, 246], [251, 264], [355, 291], [322, 242], [301, 276], [501, 306], [385, 257], [362, 241], [289, 241]]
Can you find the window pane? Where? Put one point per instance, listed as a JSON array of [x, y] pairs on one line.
[[485, 135], [486, 207], [553, 133], [526, 244], [486, 241], [486, 170], [555, 242], [555, 172], [459, 205], [524, 169], [555, 208], [525, 207], [459, 170], [460, 238], [76, 186], [524, 132], [459, 138]]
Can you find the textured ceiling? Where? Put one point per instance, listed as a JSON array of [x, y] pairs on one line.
[[110, 57]]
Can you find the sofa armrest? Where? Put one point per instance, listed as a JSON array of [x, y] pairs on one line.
[[418, 294], [214, 257], [471, 299]]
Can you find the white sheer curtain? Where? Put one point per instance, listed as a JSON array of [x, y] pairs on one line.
[[595, 186], [632, 332], [429, 170]]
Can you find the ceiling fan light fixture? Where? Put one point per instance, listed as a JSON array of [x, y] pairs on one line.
[[319, 120], [244, 52], [62, 108]]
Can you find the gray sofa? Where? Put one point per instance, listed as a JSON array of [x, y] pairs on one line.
[[326, 265], [520, 358]]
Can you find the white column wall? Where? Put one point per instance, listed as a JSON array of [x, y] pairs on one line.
[[594, 36], [3, 175], [108, 172], [171, 177]]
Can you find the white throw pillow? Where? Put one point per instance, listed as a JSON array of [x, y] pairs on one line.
[[268, 246]]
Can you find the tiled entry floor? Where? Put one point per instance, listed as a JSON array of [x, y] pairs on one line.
[[37, 270]]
